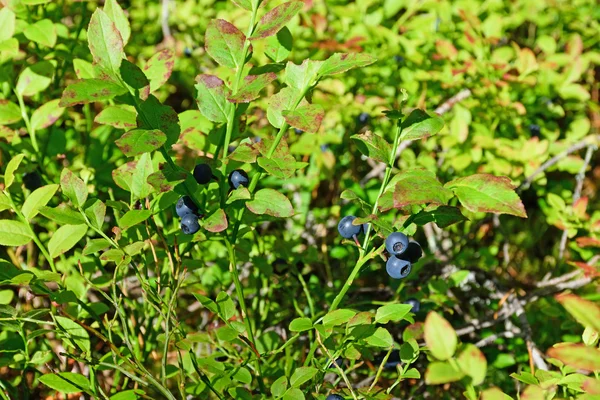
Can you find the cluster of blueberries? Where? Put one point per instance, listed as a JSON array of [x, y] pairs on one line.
[[403, 252], [187, 210]]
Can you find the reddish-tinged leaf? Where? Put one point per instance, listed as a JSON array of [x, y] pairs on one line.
[[420, 124], [245, 4], [159, 67], [419, 186], [584, 311], [285, 99], [487, 193], [166, 179], [46, 115], [473, 363], [307, 118], [587, 242], [275, 19], [120, 117], [90, 90], [116, 14], [373, 146], [439, 336], [138, 141], [251, 87], [245, 152], [212, 98], [271, 202], [342, 62], [414, 331], [588, 270], [580, 206], [225, 43], [577, 355], [105, 42], [216, 222], [154, 115]]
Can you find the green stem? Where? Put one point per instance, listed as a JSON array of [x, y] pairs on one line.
[[30, 129]]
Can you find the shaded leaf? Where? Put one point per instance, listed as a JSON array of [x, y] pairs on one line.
[[154, 115], [9, 112], [302, 375], [73, 333], [443, 216], [373, 146], [66, 382], [35, 78], [279, 47]]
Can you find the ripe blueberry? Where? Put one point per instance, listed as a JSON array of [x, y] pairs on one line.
[[298, 131], [346, 229], [187, 52], [185, 205], [32, 180], [397, 268], [413, 252], [203, 173], [416, 306], [535, 130], [396, 243], [399, 59], [280, 266], [334, 397], [238, 178], [189, 224], [363, 118], [324, 148]]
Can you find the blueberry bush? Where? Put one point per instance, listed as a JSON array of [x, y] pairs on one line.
[[293, 200]]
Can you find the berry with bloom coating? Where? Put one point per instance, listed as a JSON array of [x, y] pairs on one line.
[[413, 252], [238, 178], [416, 306], [396, 243], [185, 205], [189, 224], [363, 118], [334, 397], [203, 173], [346, 229], [397, 268]]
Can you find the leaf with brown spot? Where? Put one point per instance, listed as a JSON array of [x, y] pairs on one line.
[[487, 193], [342, 62], [251, 87], [225, 43], [270, 202], [212, 98], [88, 91], [420, 187], [105, 43], [166, 179], [577, 355], [584, 311], [159, 68], [138, 141], [46, 115], [121, 116], [154, 115], [440, 336], [285, 99], [216, 222], [420, 124], [245, 153], [275, 19], [373, 146], [473, 363], [307, 118]]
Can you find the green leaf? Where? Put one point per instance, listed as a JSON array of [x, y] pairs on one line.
[[487, 193], [105, 43], [271, 202], [584, 311], [275, 19], [227, 334], [14, 233], [285, 99], [278, 47], [65, 238], [302, 77], [166, 179], [42, 32], [4, 202], [420, 124], [9, 112], [438, 373], [300, 325], [392, 312], [302, 375], [225, 306], [133, 176], [251, 87], [63, 215], [342, 62], [11, 167], [154, 115], [525, 377], [293, 394], [84, 69], [443, 216], [66, 382], [494, 394], [212, 98], [114, 11], [473, 363], [216, 222], [381, 338], [338, 317], [40, 197], [279, 387], [35, 78], [159, 68], [46, 115], [138, 141], [134, 217], [73, 333], [126, 395], [7, 22], [419, 186], [245, 153], [225, 43], [73, 187], [411, 373], [373, 146], [34, 2], [134, 78], [307, 118], [96, 213], [90, 90], [94, 246], [439, 336], [120, 117]]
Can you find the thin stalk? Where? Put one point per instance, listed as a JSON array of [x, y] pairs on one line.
[[30, 129]]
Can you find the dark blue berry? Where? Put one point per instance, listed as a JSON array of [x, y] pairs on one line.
[[399, 59], [32, 180], [189, 224], [413, 252], [338, 361], [298, 131], [185, 205], [334, 397], [324, 148], [363, 118], [346, 229], [416, 306], [202, 173], [535, 130], [238, 178], [397, 268], [187, 52], [280, 266], [396, 243]]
